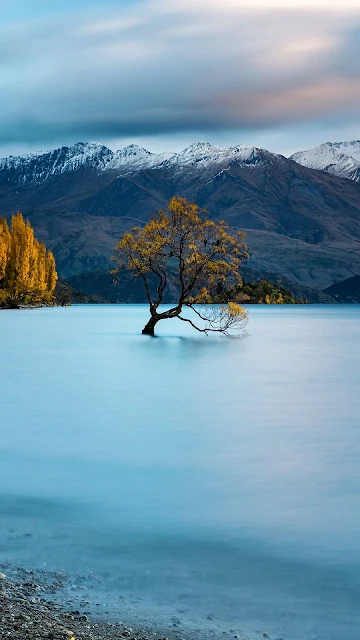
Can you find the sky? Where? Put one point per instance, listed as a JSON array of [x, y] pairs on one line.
[[279, 74]]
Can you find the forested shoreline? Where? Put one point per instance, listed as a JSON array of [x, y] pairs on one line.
[[27, 269]]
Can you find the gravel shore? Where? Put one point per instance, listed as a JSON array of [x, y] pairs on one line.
[[26, 614]]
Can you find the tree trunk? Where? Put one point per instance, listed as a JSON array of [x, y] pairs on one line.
[[149, 329]]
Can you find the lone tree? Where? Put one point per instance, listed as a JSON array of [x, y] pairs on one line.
[[196, 257]]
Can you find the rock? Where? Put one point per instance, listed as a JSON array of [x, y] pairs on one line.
[[2, 576], [265, 634], [26, 616]]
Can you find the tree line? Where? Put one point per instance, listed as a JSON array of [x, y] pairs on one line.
[[27, 269]]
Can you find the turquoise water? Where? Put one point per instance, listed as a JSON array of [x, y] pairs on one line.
[[202, 483]]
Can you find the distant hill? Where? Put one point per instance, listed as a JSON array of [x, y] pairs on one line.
[[66, 294], [301, 223], [346, 291], [100, 286], [300, 292]]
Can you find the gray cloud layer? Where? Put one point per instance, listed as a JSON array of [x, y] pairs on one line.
[[161, 66]]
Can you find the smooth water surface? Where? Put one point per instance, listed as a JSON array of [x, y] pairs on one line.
[[204, 482]]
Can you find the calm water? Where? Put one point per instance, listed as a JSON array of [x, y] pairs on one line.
[[208, 483]]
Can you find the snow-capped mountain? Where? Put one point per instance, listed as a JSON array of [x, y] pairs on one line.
[[203, 154], [339, 158], [36, 168], [133, 158]]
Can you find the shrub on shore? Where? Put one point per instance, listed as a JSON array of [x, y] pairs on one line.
[[262, 292]]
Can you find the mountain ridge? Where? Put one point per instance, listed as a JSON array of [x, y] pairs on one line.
[[300, 222], [35, 168], [338, 158]]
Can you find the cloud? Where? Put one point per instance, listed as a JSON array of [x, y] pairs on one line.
[[156, 67]]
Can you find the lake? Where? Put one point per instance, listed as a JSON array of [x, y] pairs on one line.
[[189, 481]]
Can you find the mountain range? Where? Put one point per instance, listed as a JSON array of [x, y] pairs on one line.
[[301, 214]]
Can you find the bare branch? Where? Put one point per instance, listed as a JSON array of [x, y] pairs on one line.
[[147, 288], [193, 325]]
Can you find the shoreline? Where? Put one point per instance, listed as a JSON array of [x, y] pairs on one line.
[[27, 612]]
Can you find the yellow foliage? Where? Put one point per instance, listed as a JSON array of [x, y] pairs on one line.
[[235, 310], [4, 246], [51, 275], [27, 270], [204, 253]]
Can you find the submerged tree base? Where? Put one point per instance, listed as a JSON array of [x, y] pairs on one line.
[[149, 329]]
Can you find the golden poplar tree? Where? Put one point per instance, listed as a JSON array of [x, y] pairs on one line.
[[51, 273], [40, 271], [4, 247], [27, 270], [19, 272]]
